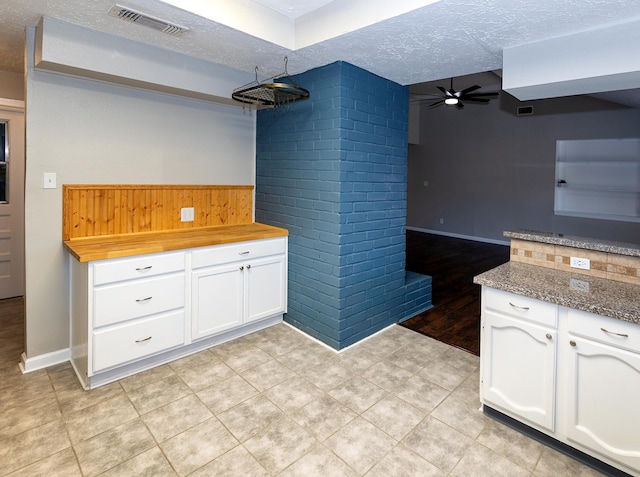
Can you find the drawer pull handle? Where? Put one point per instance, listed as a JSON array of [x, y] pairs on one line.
[[244, 253], [614, 333], [142, 300], [143, 269], [519, 307], [143, 340]]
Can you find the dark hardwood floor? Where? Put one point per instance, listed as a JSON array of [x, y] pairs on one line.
[[452, 263]]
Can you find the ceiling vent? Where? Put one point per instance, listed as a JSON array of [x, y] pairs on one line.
[[524, 111], [143, 19]]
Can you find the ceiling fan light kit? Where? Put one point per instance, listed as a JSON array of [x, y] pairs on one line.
[[451, 97]]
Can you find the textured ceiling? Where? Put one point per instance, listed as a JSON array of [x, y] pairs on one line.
[[446, 39], [293, 9]]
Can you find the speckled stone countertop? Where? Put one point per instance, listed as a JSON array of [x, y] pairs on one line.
[[605, 297], [621, 248]]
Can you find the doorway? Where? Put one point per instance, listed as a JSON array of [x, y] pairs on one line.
[[452, 263], [12, 166]]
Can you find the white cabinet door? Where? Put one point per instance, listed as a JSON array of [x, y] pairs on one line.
[[604, 397], [265, 292], [518, 368], [217, 294]]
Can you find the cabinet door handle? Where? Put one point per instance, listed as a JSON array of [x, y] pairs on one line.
[[614, 333], [142, 300], [549, 337], [241, 267], [248, 266], [572, 343], [244, 253], [143, 340], [142, 269], [519, 307]]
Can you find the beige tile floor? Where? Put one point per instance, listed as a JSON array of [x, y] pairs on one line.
[[271, 403]]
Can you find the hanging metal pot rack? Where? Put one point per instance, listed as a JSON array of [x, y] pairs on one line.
[[271, 92]]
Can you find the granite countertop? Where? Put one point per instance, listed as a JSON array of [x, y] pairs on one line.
[[604, 297], [620, 248]]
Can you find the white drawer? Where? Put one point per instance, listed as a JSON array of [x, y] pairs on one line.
[[118, 269], [241, 251], [618, 333], [119, 344], [536, 311], [127, 300]]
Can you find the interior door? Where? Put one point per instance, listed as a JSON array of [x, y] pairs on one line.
[[12, 165]]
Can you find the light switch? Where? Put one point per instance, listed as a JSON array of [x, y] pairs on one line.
[[49, 180]]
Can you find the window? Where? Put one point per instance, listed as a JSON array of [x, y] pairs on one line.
[[598, 179]]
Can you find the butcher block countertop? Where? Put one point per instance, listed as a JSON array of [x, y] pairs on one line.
[[126, 245]]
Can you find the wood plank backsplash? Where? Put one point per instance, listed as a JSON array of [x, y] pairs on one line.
[[92, 210]]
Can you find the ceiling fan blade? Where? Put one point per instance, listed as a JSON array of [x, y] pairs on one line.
[[459, 105], [444, 91], [437, 103], [469, 89]]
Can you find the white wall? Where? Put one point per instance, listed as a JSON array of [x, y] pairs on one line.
[[87, 131], [489, 171]]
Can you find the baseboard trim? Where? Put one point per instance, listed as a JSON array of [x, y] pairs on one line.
[[35, 363], [460, 236]]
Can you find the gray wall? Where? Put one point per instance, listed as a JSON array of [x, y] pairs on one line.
[[489, 171], [91, 132]]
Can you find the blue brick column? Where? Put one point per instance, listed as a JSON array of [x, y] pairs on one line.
[[333, 171]]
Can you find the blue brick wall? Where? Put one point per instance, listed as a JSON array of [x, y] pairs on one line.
[[333, 171]]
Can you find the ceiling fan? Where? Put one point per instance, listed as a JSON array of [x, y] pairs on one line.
[[451, 97]]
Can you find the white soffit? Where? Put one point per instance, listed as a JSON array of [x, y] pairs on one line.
[[313, 22], [604, 59]]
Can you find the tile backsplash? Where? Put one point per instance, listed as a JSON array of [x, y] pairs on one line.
[[608, 265]]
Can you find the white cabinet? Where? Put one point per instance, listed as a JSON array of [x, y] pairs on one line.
[[130, 314], [604, 372], [125, 310], [518, 356], [572, 375], [237, 284]]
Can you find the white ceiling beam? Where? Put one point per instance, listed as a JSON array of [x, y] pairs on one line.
[[338, 18], [593, 61], [62, 47], [328, 21]]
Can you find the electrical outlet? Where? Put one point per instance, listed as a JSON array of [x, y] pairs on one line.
[[581, 263], [579, 285], [187, 214], [441, 221]]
